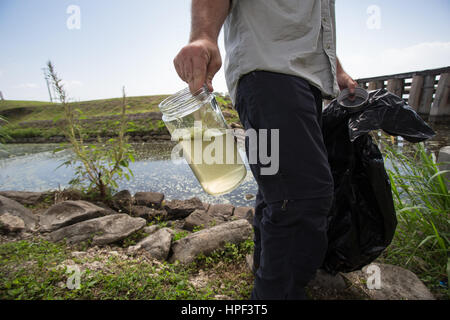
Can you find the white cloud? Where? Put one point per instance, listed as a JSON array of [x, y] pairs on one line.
[[426, 55], [26, 86]]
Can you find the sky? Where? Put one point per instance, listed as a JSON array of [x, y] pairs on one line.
[[99, 46]]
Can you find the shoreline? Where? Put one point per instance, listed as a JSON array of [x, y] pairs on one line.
[[146, 137]]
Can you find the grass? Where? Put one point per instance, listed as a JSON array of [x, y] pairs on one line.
[[35, 110], [35, 269], [422, 201], [29, 119], [26, 269], [11, 104]]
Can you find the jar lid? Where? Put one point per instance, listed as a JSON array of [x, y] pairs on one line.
[[184, 102]]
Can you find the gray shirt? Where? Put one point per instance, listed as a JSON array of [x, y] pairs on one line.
[[295, 37]]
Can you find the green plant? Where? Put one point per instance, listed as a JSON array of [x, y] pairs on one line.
[[180, 234], [132, 239], [97, 166], [198, 228], [422, 202], [229, 254], [159, 221]]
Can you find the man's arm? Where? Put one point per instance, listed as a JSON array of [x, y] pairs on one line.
[[199, 61], [343, 79]]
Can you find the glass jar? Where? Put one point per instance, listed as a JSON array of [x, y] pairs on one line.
[[208, 145]]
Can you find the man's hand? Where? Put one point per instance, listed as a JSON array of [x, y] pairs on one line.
[[197, 63], [344, 80]]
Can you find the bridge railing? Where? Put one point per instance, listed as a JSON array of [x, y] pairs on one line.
[[425, 91]]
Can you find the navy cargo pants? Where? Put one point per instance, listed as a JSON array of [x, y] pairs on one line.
[[290, 223]]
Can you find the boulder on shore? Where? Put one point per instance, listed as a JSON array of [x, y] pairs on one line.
[[206, 241], [122, 201], [149, 199], [244, 213], [10, 223], [202, 218], [223, 210], [16, 209], [179, 209], [394, 283], [157, 244], [101, 230], [25, 197], [147, 213], [69, 212]]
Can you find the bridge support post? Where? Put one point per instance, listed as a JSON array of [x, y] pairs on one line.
[[415, 92], [427, 95], [441, 103], [395, 86]]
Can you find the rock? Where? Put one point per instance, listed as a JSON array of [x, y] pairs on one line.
[[249, 196], [101, 230], [396, 283], [244, 213], [202, 218], [179, 209], [206, 241], [149, 199], [227, 114], [216, 214], [122, 201], [147, 213], [10, 223], [157, 245], [25, 197], [150, 229], [176, 224], [69, 212], [69, 194], [16, 209], [222, 210], [206, 206]]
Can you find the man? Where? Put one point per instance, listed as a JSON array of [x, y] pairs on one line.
[[281, 59]]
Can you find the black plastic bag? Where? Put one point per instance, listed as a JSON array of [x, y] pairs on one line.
[[362, 220]]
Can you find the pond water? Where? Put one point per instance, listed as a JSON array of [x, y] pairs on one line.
[[34, 167]]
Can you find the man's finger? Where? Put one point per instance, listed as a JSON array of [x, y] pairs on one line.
[[187, 69], [209, 83], [351, 86], [198, 73], [178, 69], [213, 67]]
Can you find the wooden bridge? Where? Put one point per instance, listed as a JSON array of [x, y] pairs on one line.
[[425, 91]]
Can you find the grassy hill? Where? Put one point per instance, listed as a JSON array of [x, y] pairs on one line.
[[42, 120], [22, 111]]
